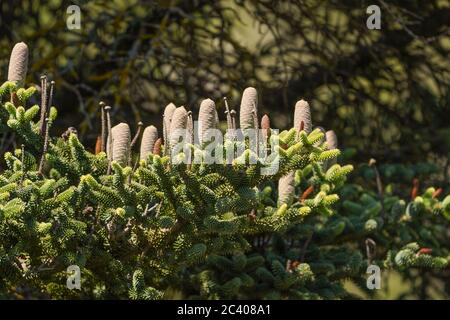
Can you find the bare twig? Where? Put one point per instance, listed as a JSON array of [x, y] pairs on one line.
[[104, 129], [134, 141], [227, 112], [109, 151], [371, 247], [43, 104], [50, 97], [45, 148], [372, 163], [136, 136]]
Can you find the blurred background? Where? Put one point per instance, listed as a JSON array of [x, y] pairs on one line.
[[385, 92]]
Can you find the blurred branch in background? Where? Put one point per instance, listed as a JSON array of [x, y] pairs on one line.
[[386, 92]]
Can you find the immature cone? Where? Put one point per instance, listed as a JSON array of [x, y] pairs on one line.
[[168, 113], [207, 118], [121, 140], [302, 113], [306, 193], [178, 126], [149, 138], [286, 188], [157, 146], [249, 103], [415, 189], [18, 63], [265, 126], [331, 139]]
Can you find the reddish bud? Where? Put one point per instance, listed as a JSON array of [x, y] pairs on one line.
[[425, 251], [98, 145], [437, 193], [265, 126], [157, 146], [415, 189], [306, 193]]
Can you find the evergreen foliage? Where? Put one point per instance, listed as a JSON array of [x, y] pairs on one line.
[[144, 229]]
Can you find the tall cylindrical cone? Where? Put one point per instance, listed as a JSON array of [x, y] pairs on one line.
[[149, 138], [265, 122], [18, 64], [121, 140], [207, 118], [286, 188], [265, 126], [168, 114], [331, 138], [178, 126], [249, 103], [302, 113]]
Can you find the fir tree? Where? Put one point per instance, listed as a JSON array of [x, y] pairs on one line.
[[213, 231]]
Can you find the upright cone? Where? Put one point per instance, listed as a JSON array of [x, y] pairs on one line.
[[331, 139], [168, 114], [178, 126], [249, 103], [18, 64], [121, 140], [265, 126], [302, 113], [149, 138], [207, 118], [286, 188]]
